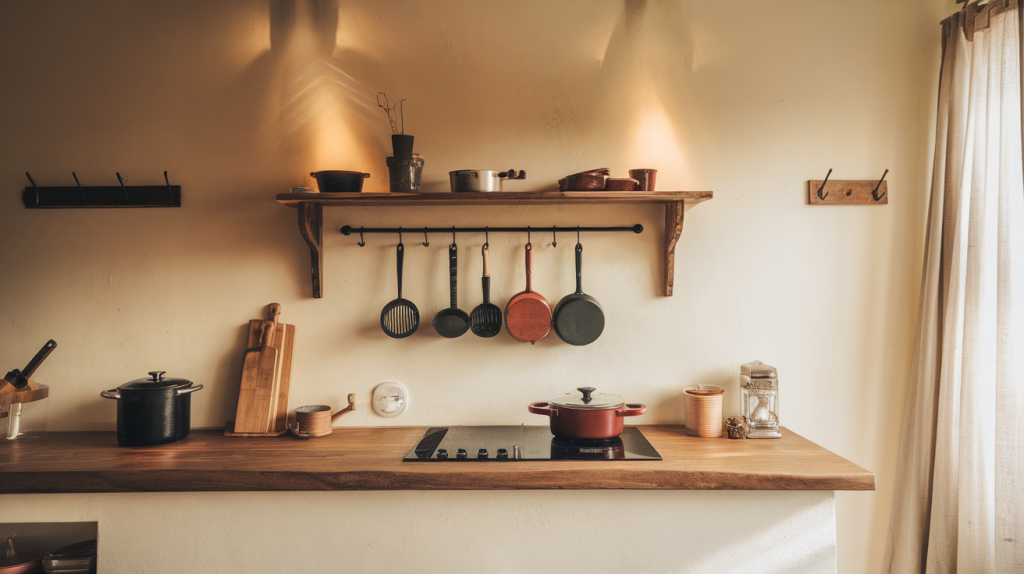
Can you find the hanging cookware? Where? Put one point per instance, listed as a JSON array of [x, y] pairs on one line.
[[578, 317], [528, 314], [468, 180], [400, 318], [154, 410], [485, 320], [587, 414], [452, 322]]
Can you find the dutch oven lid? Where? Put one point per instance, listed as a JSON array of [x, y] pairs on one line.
[[155, 381], [586, 398]]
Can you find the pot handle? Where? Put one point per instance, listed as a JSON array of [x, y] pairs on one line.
[[542, 409], [189, 390], [631, 410], [111, 394], [512, 174], [366, 175], [313, 173]]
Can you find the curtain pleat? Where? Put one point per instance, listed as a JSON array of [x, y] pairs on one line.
[[959, 488]]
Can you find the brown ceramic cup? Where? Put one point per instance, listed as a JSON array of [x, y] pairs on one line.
[[645, 177]]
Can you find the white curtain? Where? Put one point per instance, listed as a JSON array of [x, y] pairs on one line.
[[959, 496]]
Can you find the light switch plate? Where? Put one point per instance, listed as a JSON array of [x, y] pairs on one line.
[[390, 399]]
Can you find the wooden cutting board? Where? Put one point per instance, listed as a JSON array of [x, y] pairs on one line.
[[283, 341], [256, 393]]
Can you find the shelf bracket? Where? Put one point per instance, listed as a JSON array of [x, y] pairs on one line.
[[673, 229], [311, 225]]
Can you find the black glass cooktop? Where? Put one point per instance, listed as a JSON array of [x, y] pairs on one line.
[[505, 443]]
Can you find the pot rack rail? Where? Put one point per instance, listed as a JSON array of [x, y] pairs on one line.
[[311, 205], [554, 230]]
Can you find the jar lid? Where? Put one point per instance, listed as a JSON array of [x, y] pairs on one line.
[[155, 381], [586, 398], [758, 370]]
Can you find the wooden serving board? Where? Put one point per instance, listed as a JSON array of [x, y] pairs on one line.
[[283, 341]]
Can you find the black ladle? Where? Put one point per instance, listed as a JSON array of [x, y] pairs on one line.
[[485, 320], [400, 318], [452, 322]]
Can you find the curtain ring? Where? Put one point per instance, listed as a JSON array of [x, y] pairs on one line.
[[554, 237], [426, 242], [362, 242]]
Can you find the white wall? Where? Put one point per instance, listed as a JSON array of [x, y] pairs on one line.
[[748, 99]]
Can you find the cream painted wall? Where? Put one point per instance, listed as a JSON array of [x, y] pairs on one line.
[[240, 100]]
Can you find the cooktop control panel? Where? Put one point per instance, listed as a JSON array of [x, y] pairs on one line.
[[511, 443]]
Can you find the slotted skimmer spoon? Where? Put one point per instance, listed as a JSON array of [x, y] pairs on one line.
[[400, 318], [485, 320], [452, 322]]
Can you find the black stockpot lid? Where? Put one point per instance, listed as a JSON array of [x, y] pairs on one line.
[[155, 381]]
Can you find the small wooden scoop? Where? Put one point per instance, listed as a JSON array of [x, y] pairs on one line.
[[315, 420]]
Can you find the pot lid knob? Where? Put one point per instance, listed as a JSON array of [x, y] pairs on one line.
[[586, 393], [157, 375]]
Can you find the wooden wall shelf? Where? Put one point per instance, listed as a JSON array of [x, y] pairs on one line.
[[311, 217], [370, 458]]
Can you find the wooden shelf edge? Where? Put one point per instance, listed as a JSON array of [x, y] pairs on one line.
[[311, 213]]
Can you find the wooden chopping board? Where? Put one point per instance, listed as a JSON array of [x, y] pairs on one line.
[[283, 341]]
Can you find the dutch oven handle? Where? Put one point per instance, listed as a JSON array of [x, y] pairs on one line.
[[189, 390], [542, 409], [631, 410], [512, 174], [111, 394]]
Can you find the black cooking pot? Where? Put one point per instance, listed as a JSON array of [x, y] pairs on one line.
[[338, 181], [154, 410]]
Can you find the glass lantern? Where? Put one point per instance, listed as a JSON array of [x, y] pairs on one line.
[[759, 387]]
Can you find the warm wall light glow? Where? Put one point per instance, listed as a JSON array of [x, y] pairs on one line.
[[654, 142]]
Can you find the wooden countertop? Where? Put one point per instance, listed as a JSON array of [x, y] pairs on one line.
[[370, 458]]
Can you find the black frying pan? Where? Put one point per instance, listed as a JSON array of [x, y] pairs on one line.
[[578, 317]]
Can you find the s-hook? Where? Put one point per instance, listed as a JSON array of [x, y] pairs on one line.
[[820, 196], [487, 237], [362, 242], [528, 234], [874, 192], [453, 235], [126, 198], [33, 186], [578, 234], [426, 242], [554, 237]]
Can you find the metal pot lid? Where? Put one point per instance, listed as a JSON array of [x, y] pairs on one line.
[[155, 381], [586, 398]]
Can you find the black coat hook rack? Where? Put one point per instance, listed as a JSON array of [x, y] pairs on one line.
[[49, 197], [349, 230]]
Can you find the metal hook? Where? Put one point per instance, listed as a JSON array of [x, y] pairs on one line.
[[82, 191], [577, 234], [399, 234], [487, 237], [554, 237], [33, 186], [426, 242], [528, 234], [122, 185], [874, 192], [820, 196], [362, 242], [453, 235], [168, 182]]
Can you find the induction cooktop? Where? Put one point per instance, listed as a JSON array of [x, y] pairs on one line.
[[510, 443]]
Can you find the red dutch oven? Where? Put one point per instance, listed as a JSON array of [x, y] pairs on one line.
[[586, 414]]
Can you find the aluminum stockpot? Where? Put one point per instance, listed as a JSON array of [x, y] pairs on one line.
[[154, 410], [586, 414], [470, 180]]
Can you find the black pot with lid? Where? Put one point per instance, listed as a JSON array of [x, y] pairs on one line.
[[154, 410]]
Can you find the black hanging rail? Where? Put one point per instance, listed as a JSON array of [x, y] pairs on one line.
[[39, 197], [349, 230]]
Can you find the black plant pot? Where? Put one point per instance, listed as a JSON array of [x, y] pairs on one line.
[[401, 144]]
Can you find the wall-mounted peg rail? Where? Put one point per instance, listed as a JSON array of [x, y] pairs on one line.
[[848, 192], [541, 231], [311, 214], [38, 197]]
